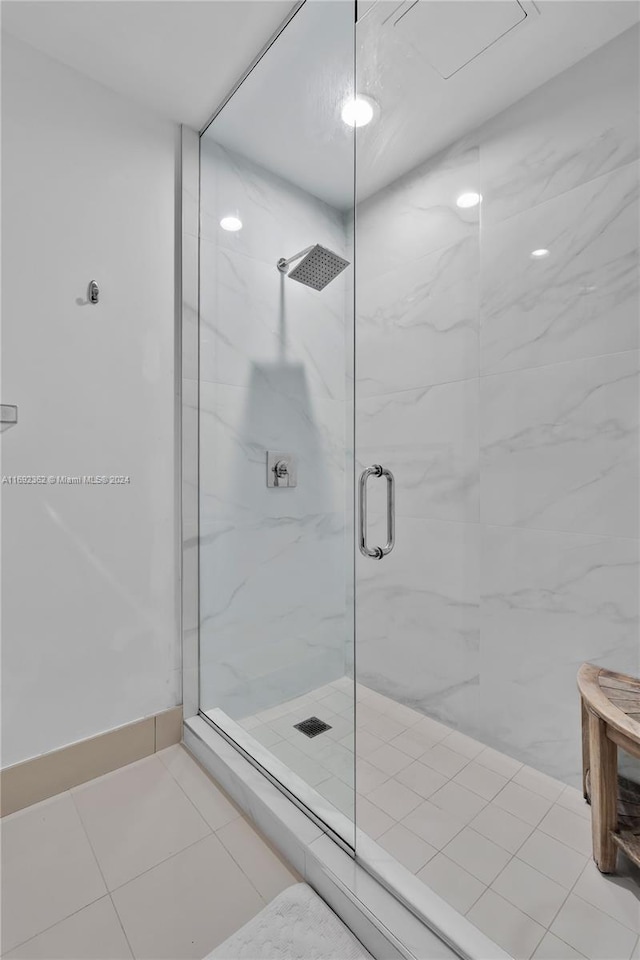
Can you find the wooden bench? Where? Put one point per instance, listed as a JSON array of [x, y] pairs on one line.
[[610, 719]]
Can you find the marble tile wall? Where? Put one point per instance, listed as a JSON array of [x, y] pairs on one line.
[[503, 392], [272, 377]]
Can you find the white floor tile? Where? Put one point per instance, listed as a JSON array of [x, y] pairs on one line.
[[265, 735], [248, 723], [340, 727], [522, 803], [371, 819], [403, 714], [432, 729], [395, 799], [511, 929], [187, 905], [538, 896], [385, 728], [413, 744], [537, 782], [482, 858], [421, 779], [451, 882], [592, 932], [366, 743], [264, 868], [389, 759], [337, 702], [406, 847], [503, 828], [368, 777], [553, 858], [573, 800], [349, 742], [216, 808], [463, 744], [619, 897], [339, 793], [48, 869], [432, 824], [93, 933], [569, 828], [135, 818], [458, 801], [444, 760], [486, 783], [498, 762], [551, 948], [304, 766]]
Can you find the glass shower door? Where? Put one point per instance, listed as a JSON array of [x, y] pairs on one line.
[[276, 415]]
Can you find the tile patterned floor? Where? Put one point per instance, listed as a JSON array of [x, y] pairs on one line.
[[152, 860], [503, 843]]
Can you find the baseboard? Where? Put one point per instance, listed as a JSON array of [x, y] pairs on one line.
[[51, 773]]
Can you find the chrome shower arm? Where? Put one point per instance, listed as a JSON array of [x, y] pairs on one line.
[[283, 265]]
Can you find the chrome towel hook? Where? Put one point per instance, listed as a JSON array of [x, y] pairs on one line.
[[93, 294]]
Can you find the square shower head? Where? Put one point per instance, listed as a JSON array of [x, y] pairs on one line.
[[319, 267]]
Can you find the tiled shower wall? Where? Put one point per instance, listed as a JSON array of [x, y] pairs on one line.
[[503, 393], [272, 377]]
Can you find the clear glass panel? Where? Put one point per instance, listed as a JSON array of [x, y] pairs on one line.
[[276, 414], [497, 312]]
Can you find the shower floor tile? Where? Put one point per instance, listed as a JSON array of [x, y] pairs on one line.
[[502, 842]]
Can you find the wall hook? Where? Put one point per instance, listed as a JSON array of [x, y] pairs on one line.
[[94, 292]]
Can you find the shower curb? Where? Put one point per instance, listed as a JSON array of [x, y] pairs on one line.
[[386, 927]]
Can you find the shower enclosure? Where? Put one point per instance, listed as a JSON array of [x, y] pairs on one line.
[[419, 433]]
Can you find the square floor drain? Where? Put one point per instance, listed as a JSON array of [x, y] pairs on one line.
[[312, 727]]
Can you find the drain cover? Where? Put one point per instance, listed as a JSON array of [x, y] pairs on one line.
[[312, 727]]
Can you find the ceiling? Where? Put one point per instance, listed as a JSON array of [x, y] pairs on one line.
[[437, 69], [177, 57]]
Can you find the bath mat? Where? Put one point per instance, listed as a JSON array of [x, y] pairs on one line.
[[297, 925]]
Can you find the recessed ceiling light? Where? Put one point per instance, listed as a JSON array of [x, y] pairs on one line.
[[358, 112], [466, 200], [540, 253], [231, 223]]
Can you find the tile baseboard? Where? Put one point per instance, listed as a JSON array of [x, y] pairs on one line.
[[41, 777]]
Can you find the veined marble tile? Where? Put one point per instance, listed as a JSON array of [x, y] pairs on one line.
[[272, 609], [278, 218], [584, 298], [579, 125], [237, 428], [417, 214], [549, 602], [417, 620], [429, 439], [559, 447], [417, 324], [251, 315]]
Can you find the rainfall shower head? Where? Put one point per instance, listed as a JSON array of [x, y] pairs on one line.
[[317, 269]]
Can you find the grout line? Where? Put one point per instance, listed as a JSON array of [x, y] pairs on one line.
[[51, 926], [104, 879]]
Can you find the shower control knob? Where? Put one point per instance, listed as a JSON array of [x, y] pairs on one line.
[[281, 470]]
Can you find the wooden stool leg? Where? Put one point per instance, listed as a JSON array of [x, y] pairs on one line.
[[585, 748], [603, 766]]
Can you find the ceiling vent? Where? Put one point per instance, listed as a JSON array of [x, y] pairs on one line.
[[449, 34]]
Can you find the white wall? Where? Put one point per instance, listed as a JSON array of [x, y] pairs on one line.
[[89, 613], [272, 377], [503, 393]]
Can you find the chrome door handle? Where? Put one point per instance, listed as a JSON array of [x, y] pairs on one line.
[[378, 552]]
